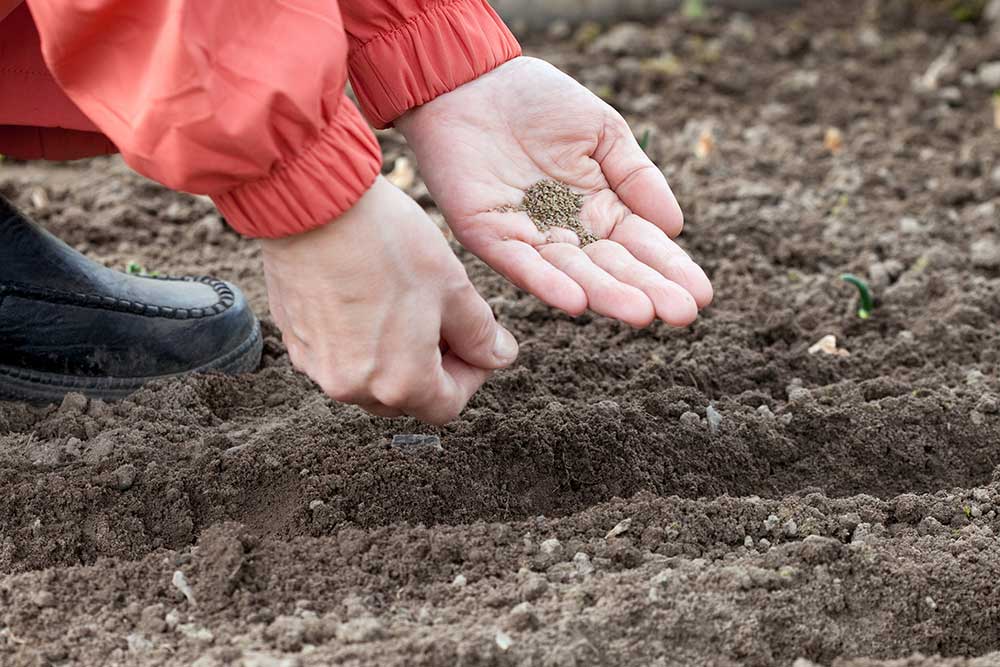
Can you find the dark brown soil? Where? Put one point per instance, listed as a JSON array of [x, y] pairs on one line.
[[589, 508]]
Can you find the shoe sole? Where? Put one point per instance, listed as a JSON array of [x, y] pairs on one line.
[[17, 384]]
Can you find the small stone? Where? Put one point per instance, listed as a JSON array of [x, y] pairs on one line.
[[180, 582], [360, 630], [771, 522], [765, 412], [929, 601], [412, 443], [799, 395], [315, 504], [459, 581], [988, 404], [828, 345], [73, 403], [910, 226], [748, 542], [974, 377], [503, 640], [43, 599], [714, 419], [764, 544], [622, 526], [985, 253], [989, 75], [196, 632], [691, 419], [790, 528], [583, 566], [550, 546], [124, 477]]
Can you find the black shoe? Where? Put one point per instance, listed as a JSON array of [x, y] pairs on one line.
[[68, 324]]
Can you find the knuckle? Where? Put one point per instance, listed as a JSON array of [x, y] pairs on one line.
[[396, 390]]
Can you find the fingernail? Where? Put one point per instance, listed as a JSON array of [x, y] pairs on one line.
[[505, 345]]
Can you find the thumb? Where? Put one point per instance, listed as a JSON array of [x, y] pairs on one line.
[[473, 334]]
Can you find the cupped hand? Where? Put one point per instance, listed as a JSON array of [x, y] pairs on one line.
[[481, 146], [377, 310]]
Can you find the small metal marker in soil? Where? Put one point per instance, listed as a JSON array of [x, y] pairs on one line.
[[553, 204], [412, 442]]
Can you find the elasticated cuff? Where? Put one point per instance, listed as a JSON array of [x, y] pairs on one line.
[[433, 53], [319, 184]]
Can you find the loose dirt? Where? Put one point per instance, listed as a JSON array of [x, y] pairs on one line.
[[589, 508]]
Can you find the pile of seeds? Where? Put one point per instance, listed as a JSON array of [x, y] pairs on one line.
[[552, 204]]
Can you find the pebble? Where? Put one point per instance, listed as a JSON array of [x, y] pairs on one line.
[[582, 562], [503, 640], [791, 528], [180, 582], [985, 253], [771, 522], [974, 377], [765, 412], [622, 526], [714, 419], [73, 403], [315, 504], [360, 630], [43, 599], [748, 542], [412, 442], [910, 226], [988, 404], [124, 477], [690, 419], [799, 394], [989, 74], [459, 581], [764, 544], [550, 546]]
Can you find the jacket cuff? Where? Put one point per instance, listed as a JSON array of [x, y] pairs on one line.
[[433, 53], [326, 178]]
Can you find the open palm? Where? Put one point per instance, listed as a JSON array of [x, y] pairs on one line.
[[482, 145]]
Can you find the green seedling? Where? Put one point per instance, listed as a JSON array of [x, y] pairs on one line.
[[644, 142], [134, 268], [866, 304], [693, 9]]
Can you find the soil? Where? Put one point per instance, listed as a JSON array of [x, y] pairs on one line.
[[553, 204], [715, 495]]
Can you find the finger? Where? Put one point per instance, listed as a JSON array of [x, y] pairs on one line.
[[605, 294], [636, 180], [453, 385], [472, 333], [524, 266], [673, 304], [651, 246]]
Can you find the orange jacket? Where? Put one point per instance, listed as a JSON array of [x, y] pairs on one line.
[[242, 100]]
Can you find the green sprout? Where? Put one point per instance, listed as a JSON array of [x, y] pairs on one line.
[[644, 142], [867, 305], [693, 9], [968, 11], [968, 511], [134, 268]]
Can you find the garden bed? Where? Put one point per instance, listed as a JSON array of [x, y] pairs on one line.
[[590, 507]]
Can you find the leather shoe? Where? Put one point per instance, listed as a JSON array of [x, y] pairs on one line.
[[68, 324]]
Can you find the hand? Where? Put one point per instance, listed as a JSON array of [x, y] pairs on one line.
[[378, 311], [483, 144]]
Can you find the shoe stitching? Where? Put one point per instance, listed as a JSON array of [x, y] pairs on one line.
[[226, 299]]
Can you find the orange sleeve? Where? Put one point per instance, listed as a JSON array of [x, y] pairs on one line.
[[404, 53], [242, 100]]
